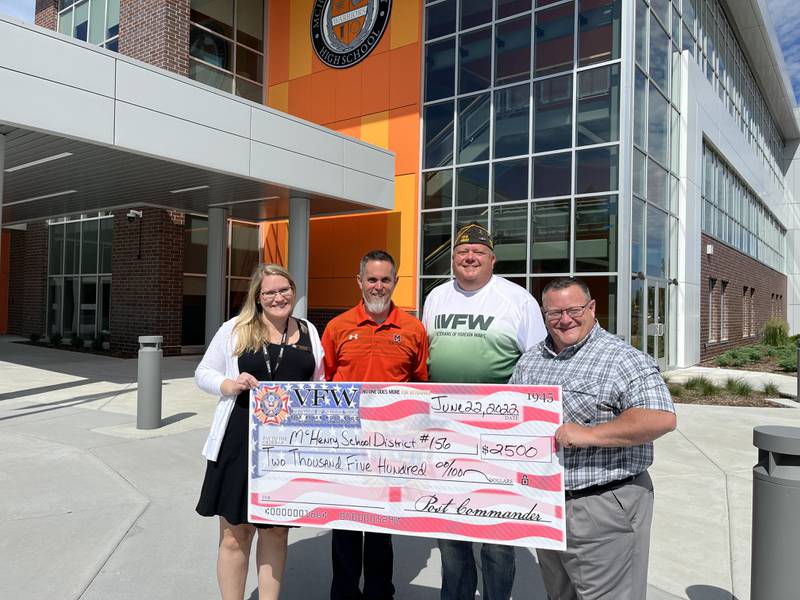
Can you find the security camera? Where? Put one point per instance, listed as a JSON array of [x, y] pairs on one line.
[[133, 215]]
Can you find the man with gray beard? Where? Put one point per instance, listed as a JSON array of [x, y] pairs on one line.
[[373, 341]]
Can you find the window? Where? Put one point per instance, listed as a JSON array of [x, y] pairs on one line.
[[226, 46], [93, 21], [723, 311], [521, 132], [245, 246], [713, 311], [734, 214], [79, 277], [745, 312]]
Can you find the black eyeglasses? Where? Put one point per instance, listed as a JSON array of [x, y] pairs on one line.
[[572, 311]]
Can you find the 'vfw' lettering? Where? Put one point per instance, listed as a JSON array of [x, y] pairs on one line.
[[456, 320]]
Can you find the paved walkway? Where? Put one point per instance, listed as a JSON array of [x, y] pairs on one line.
[[93, 508]]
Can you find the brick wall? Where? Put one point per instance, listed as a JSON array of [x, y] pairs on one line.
[[156, 32], [47, 14], [27, 280], [147, 291], [321, 316], [738, 271]]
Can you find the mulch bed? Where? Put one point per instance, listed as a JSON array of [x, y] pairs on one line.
[[768, 364], [723, 398]]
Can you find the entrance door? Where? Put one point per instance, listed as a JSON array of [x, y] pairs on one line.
[[656, 322]]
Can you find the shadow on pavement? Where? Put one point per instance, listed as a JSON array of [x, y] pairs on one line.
[[708, 592], [17, 394], [69, 403], [308, 570], [90, 367], [176, 417]]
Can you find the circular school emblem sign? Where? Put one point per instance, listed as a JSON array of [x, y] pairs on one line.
[[344, 32]]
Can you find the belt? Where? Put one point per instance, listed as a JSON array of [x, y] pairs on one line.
[[601, 488]]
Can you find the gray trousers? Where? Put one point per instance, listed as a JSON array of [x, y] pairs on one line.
[[608, 542]]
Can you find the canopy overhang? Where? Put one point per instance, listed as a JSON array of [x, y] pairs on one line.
[[87, 129]]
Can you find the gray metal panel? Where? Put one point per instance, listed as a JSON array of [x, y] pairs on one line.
[[137, 133], [150, 89], [56, 58]]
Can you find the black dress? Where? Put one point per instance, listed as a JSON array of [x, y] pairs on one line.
[[224, 490]]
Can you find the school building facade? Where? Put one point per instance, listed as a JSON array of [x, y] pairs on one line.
[[647, 146]]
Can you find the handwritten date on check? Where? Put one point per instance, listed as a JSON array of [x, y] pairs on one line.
[[461, 461]]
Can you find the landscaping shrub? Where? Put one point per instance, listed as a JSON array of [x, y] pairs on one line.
[[702, 385], [753, 354], [76, 341], [97, 344], [742, 389], [34, 337], [55, 339], [723, 360], [675, 389], [776, 332], [771, 390], [788, 362]]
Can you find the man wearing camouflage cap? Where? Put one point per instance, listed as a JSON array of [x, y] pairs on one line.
[[478, 325]]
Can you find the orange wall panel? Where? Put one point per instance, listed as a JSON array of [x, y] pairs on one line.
[[404, 86], [377, 100], [278, 96], [278, 36], [375, 84], [275, 242], [322, 86], [404, 139], [299, 48], [351, 127], [405, 23], [347, 93], [301, 100]]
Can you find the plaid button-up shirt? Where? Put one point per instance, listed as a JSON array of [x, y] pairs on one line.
[[601, 376]]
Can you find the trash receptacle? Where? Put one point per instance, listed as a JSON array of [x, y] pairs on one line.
[[776, 524], [148, 390]]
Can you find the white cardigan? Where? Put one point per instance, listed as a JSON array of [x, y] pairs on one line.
[[220, 363]]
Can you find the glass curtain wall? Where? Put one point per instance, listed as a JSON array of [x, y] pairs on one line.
[[733, 214], [79, 277], [521, 134], [714, 45], [655, 171], [244, 249], [93, 21], [226, 46]]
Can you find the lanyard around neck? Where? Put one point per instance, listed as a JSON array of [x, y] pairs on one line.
[[264, 347]]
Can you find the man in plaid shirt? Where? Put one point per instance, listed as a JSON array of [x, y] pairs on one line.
[[615, 404]]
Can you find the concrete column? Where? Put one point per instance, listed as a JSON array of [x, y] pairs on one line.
[[299, 211], [215, 279]]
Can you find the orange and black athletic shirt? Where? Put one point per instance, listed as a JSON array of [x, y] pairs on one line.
[[359, 349]]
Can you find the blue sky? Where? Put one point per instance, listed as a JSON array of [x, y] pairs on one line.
[[785, 15]]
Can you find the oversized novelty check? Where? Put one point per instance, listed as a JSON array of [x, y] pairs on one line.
[[466, 462]]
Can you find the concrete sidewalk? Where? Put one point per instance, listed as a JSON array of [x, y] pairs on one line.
[[95, 509]]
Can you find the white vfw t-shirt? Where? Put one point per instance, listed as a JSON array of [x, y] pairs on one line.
[[477, 337]]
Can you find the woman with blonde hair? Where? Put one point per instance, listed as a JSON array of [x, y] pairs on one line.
[[264, 342]]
